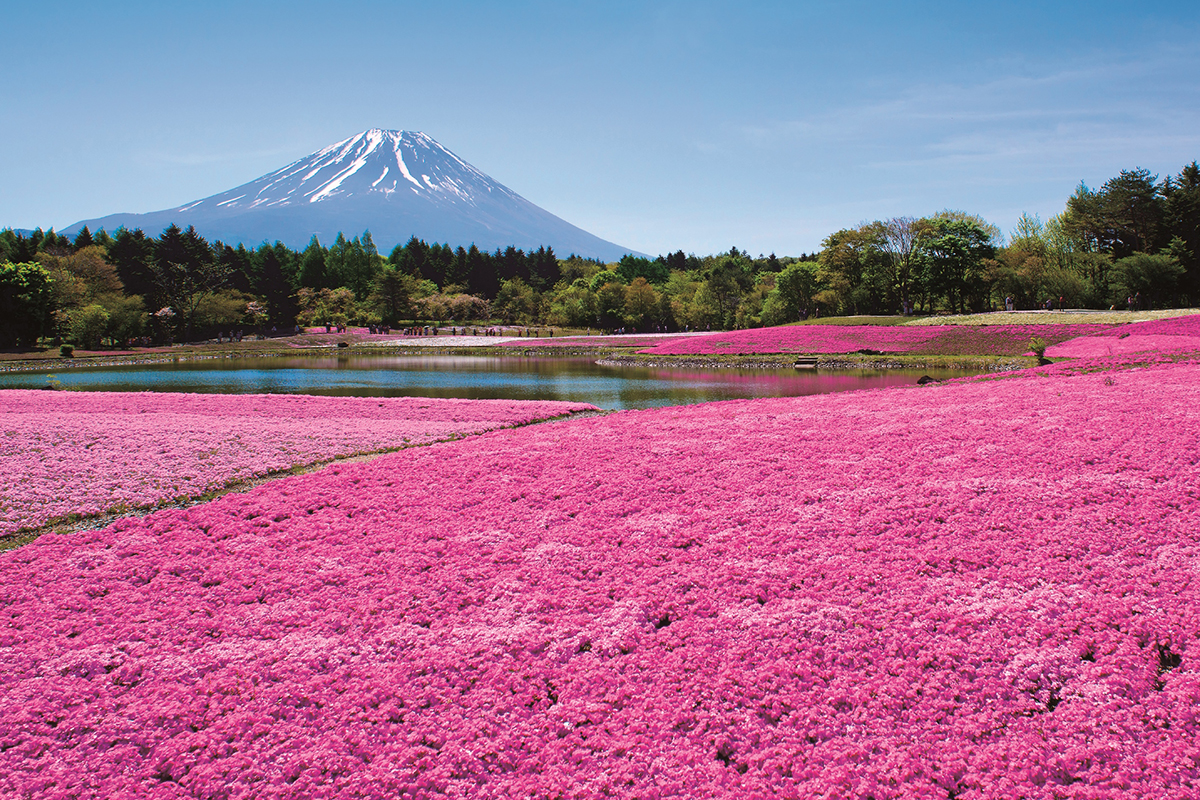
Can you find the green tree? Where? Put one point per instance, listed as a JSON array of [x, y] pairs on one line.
[[605, 276], [631, 267], [127, 316], [185, 284], [312, 266], [796, 287], [25, 303], [901, 242], [726, 281], [132, 253], [1153, 277], [610, 304], [574, 305], [1181, 208], [85, 325], [392, 293], [641, 304], [956, 249], [856, 269], [1124, 217], [326, 306], [516, 302], [352, 264], [276, 271]]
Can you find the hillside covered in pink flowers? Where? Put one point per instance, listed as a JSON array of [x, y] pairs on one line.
[[1153, 336], [980, 589]]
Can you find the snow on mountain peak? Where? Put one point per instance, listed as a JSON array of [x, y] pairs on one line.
[[374, 161], [397, 184]]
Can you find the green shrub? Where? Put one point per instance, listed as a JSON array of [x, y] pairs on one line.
[[67, 351], [1038, 345]]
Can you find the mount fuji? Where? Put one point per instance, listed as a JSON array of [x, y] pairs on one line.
[[396, 184]]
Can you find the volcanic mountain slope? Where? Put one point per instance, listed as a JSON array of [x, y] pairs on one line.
[[397, 184]]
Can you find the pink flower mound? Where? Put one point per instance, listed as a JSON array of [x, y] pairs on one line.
[[1001, 340], [1172, 326], [632, 340], [67, 453], [1100, 346], [972, 590], [1160, 335]]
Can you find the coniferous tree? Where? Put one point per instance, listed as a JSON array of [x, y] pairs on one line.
[[83, 239], [132, 253], [275, 269], [481, 273], [186, 273], [1181, 206], [312, 266]]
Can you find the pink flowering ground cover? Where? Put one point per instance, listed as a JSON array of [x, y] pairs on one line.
[[632, 340], [991, 340], [83, 453], [980, 589], [1161, 335]]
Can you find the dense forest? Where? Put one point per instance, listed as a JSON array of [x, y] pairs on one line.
[[1132, 241]]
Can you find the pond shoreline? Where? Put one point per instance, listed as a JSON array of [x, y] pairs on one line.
[[607, 356]]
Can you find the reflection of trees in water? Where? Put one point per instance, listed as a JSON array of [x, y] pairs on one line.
[[474, 377]]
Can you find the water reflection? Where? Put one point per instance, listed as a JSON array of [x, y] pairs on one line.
[[515, 378]]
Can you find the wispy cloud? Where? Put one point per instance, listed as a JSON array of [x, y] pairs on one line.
[[1135, 108]]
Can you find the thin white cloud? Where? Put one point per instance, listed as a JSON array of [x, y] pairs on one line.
[[1119, 106]]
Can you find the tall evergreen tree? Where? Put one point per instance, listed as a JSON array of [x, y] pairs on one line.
[[1181, 196], [187, 273], [133, 253], [275, 268], [481, 273], [312, 266], [83, 239]]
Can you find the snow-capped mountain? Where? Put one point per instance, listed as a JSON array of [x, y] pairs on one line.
[[397, 184]]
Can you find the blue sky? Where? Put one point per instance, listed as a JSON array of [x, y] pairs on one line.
[[658, 125]]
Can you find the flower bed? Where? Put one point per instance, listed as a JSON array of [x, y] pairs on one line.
[[994, 340], [66, 453], [984, 589], [1160, 335], [1174, 326], [630, 340]]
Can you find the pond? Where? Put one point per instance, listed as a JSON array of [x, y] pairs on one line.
[[513, 378]]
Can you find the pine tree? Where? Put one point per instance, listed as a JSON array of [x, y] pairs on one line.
[[83, 239]]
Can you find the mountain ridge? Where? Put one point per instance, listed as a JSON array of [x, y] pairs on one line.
[[396, 184]]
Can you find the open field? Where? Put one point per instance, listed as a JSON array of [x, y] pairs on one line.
[[70, 454], [984, 588], [1068, 317]]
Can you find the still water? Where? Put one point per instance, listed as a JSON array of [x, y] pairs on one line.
[[515, 378]]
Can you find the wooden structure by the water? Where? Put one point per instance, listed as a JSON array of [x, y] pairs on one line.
[[806, 362]]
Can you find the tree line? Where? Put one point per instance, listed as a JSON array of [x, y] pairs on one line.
[[1135, 238]]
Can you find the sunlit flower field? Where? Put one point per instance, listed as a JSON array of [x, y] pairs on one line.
[[996, 340], [979, 589], [71, 453], [1156, 336]]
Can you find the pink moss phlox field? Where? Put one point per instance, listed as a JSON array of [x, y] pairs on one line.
[[985, 589], [1173, 334], [632, 340], [992, 340], [83, 453]]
